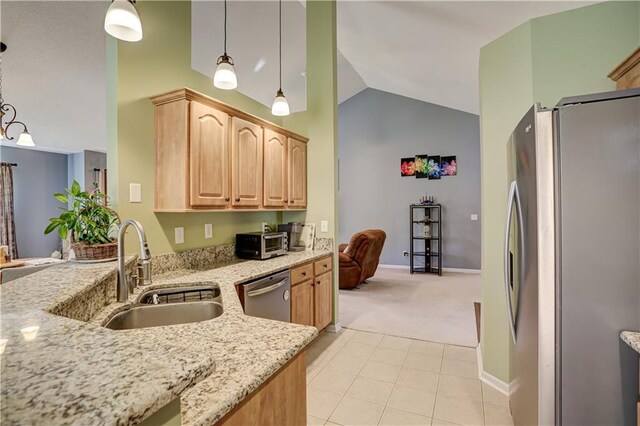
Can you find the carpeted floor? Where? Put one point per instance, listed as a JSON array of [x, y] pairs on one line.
[[420, 306]]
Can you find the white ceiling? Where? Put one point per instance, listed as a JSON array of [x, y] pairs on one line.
[[429, 50], [54, 71]]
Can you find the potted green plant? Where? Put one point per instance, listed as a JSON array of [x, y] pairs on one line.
[[88, 223]]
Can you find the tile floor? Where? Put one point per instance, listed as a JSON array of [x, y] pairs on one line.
[[361, 378]]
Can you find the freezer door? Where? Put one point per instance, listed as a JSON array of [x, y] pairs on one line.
[[521, 277], [599, 275]]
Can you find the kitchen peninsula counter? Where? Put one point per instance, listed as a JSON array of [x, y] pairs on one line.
[[76, 371]]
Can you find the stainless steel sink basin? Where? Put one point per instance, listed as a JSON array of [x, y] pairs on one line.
[[170, 306]]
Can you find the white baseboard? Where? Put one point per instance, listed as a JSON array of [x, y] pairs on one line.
[[334, 328], [489, 379], [458, 270]]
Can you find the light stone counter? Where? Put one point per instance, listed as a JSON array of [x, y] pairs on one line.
[[632, 339], [76, 372]]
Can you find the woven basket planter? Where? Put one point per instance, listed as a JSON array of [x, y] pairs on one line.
[[94, 252]]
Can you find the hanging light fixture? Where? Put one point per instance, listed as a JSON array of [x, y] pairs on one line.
[[225, 76], [280, 105], [25, 138], [122, 21]]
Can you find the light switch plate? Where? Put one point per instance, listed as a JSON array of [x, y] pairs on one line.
[[135, 193], [179, 235], [208, 230], [474, 217], [324, 226]]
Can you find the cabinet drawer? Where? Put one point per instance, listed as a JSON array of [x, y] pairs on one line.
[[323, 265], [301, 273]]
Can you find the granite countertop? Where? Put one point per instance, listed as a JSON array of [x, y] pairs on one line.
[[79, 372], [631, 338]]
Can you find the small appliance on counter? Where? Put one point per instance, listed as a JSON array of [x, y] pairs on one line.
[[261, 245], [294, 231]]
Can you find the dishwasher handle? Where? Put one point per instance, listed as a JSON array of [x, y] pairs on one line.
[[268, 289]]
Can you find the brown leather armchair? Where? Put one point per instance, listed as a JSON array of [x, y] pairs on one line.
[[361, 258]]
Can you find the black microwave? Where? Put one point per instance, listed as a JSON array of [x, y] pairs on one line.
[[261, 245]]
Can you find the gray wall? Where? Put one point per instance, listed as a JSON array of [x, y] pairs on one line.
[[375, 130], [38, 176], [81, 165]]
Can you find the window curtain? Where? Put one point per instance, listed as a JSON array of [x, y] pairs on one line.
[[7, 223]]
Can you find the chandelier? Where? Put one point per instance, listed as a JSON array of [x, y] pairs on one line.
[[8, 110]]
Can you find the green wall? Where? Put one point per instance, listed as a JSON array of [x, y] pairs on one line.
[[543, 60], [162, 62]]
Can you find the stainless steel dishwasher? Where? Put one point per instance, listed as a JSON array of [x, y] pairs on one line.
[[268, 297]]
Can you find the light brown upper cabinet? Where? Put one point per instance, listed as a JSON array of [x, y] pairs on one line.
[[275, 169], [297, 173], [246, 163], [210, 157]]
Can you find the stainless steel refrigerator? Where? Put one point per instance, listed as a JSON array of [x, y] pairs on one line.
[[572, 261]]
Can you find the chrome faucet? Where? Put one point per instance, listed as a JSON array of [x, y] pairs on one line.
[[127, 283]]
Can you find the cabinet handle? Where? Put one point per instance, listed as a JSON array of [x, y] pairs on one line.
[[304, 274], [313, 284], [286, 201], [226, 199], [318, 282], [237, 200], [325, 265], [291, 201]]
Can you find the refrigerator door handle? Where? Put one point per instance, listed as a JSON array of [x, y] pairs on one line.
[[513, 199]]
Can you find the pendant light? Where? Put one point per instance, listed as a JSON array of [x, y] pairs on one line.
[[280, 105], [122, 21], [25, 138], [225, 76]]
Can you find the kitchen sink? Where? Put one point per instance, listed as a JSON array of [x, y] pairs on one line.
[[170, 306]]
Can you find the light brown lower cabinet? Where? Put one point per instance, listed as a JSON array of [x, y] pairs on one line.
[[312, 299], [281, 400]]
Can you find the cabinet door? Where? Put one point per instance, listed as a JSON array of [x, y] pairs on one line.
[[209, 156], [323, 298], [275, 169], [302, 303], [297, 173], [246, 163]]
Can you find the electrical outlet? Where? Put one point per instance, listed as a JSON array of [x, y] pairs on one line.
[[265, 227], [208, 230], [474, 217], [405, 253], [324, 226], [135, 193], [179, 235]]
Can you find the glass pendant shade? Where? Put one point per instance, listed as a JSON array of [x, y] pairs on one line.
[[280, 105], [1, 132], [25, 139], [225, 76], [122, 21]]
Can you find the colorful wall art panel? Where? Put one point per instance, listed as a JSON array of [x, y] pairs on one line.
[[449, 165], [407, 167], [433, 166], [422, 172]]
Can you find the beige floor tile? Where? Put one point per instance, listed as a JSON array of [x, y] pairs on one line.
[[329, 342], [427, 348], [411, 399], [315, 421], [357, 349], [390, 356], [460, 386], [455, 367], [422, 361], [352, 411], [461, 353], [381, 371], [395, 417], [312, 372], [367, 338], [397, 343], [371, 390], [420, 379], [459, 410], [439, 422], [346, 363], [333, 381], [495, 415], [321, 403], [318, 357], [493, 396], [332, 424]]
